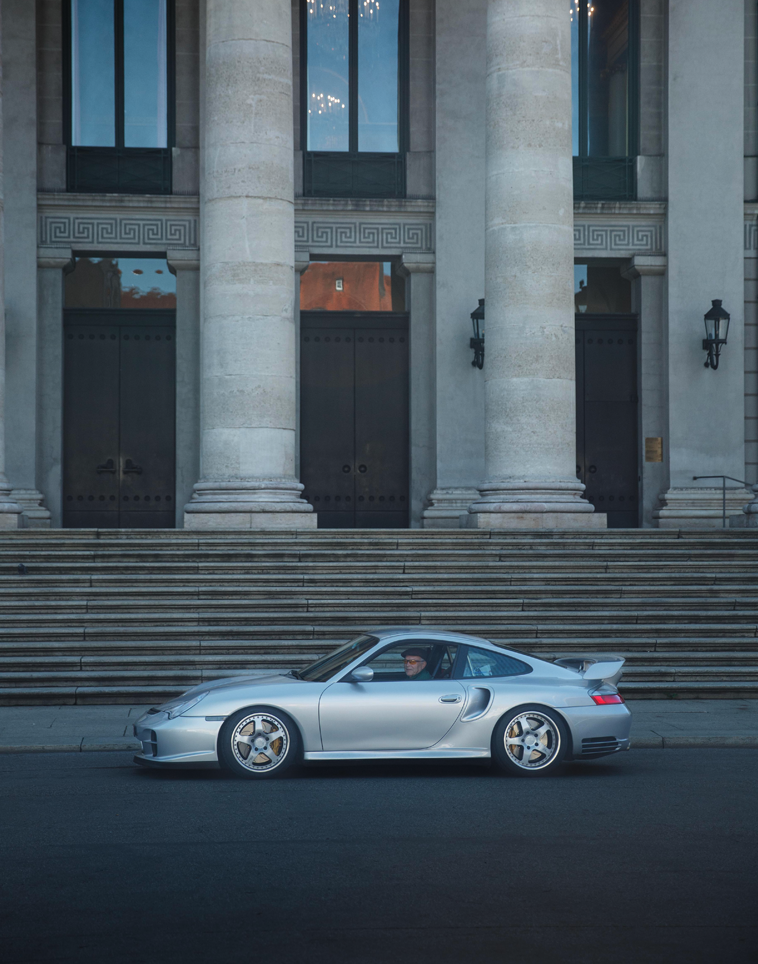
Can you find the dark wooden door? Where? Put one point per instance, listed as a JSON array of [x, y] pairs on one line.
[[606, 413], [354, 418], [118, 420]]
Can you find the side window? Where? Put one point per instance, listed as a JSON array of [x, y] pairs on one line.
[[483, 662], [414, 659]]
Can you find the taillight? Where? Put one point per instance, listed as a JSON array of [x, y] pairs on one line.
[[605, 700]]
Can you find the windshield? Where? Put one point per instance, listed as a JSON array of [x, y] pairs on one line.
[[324, 668]]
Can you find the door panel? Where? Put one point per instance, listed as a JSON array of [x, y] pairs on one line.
[[90, 426], [403, 715], [606, 409], [119, 442], [354, 459], [147, 427]]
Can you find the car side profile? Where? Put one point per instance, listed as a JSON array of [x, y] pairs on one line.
[[397, 694]]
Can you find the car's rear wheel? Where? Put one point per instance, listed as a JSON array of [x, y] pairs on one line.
[[530, 741], [259, 743]]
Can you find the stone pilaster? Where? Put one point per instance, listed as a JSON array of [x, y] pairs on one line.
[[248, 370], [530, 403], [10, 513]]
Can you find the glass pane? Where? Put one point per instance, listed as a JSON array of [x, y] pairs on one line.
[[378, 24], [352, 286], [608, 77], [145, 77], [414, 659], [120, 283], [328, 72], [482, 662], [574, 12], [93, 103], [601, 290], [327, 666]]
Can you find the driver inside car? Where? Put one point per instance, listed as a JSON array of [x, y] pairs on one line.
[[414, 663]]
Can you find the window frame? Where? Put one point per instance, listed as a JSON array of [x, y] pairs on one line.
[[120, 169], [355, 173], [599, 178]]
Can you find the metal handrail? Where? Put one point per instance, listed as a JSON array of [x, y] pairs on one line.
[[748, 485]]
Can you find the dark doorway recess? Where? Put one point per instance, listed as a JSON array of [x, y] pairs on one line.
[[607, 458], [354, 418], [118, 419]]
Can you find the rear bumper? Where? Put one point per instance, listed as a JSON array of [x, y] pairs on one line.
[[598, 730], [183, 741]]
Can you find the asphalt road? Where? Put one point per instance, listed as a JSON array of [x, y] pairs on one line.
[[649, 857]]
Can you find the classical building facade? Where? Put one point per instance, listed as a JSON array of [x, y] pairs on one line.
[[243, 241]]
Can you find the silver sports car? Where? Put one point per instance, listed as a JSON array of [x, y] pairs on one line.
[[399, 694]]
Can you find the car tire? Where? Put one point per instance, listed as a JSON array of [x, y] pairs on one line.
[[259, 743], [530, 741]]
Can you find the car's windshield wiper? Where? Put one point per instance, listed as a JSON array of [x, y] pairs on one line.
[[294, 674]]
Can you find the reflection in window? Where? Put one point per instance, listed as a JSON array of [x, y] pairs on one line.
[[120, 283], [100, 79], [352, 286], [378, 75], [600, 77], [93, 98], [483, 662], [601, 290], [328, 102], [145, 73]]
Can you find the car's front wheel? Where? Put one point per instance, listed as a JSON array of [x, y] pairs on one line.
[[530, 741], [258, 742]]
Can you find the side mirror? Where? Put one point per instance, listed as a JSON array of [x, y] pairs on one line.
[[363, 674]]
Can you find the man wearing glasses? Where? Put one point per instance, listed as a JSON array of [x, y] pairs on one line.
[[414, 663]]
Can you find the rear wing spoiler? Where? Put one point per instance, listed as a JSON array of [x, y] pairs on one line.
[[607, 669]]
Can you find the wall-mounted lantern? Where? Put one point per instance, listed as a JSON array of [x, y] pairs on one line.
[[477, 342], [716, 330]]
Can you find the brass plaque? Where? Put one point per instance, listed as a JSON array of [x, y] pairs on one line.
[[653, 449]]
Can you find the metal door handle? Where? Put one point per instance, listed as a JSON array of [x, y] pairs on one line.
[[131, 467], [106, 467], [361, 468], [593, 469], [450, 699]]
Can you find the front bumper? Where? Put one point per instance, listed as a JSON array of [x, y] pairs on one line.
[[183, 741]]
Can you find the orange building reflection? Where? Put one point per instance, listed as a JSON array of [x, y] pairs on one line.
[[350, 286]]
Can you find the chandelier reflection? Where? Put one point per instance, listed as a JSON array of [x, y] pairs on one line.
[[324, 104], [328, 9], [370, 9], [574, 11]]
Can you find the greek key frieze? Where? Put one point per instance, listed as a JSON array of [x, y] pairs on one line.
[[135, 231], [346, 235], [618, 239]]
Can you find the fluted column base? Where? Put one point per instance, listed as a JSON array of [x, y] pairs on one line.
[[700, 508], [533, 505], [249, 504], [10, 511], [449, 508], [749, 518], [33, 511]]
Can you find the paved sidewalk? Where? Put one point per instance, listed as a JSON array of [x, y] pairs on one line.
[[660, 724]]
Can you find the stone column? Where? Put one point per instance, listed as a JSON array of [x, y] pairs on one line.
[[10, 514], [705, 260], [530, 403], [20, 169], [186, 266], [248, 373]]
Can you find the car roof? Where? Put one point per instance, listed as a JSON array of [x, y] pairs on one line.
[[424, 632]]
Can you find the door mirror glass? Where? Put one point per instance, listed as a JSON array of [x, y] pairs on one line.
[[363, 674]]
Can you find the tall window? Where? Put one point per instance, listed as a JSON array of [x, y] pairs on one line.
[[354, 91], [119, 103], [604, 79]]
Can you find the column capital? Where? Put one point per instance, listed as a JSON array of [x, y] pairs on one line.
[[54, 258], [644, 264], [180, 260], [416, 264]]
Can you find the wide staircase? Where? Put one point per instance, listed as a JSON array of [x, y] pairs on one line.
[[109, 616]]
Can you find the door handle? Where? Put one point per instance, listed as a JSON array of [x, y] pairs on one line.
[[450, 699], [361, 468], [131, 467], [106, 467]]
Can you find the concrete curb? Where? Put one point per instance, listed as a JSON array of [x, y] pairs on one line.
[[87, 744]]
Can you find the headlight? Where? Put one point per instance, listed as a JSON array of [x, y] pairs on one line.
[[177, 707]]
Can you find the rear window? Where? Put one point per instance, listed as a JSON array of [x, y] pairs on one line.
[[483, 662]]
